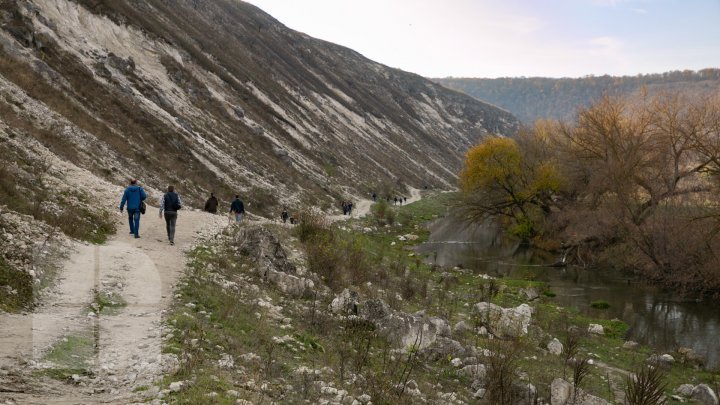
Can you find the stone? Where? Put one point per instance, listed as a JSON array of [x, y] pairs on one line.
[[685, 390], [595, 329], [176, 386], [461, 327], [561, 393], [476, 371], [345, 303], [704, 394], [555, 347], [505, 323], [456, 362], [479, 394], [530, 293], [688, 355], [630, 345]]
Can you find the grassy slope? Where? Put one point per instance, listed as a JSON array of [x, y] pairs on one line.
[[211, 322]]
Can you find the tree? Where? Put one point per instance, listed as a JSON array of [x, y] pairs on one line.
[[500, 178]]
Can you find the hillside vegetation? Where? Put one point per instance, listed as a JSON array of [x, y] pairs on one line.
[[630, 183], [532, 98]]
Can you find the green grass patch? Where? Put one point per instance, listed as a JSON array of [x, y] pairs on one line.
[[108, 302], [70, 355], [600, 304], [16, 288]]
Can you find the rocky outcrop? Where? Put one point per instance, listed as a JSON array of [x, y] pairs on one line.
[[268, 258], [403, 329], [563, 393], [505, 323]]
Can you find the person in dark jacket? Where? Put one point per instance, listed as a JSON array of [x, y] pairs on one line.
[[133, 196], [284, 215], [238, 209], [170, 204], [211, 204]]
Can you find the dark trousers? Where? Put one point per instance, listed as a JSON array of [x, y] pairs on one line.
[[134, 220], [170, 219]]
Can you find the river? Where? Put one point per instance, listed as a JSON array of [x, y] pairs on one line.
[[657, 317]]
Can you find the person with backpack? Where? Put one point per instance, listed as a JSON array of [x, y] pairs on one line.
[[211, 204], [134, 196], [284, 215], [238, 209], [170, 204]]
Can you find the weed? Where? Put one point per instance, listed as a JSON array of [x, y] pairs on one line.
[[16, 288], [600, 304], [646, 387]]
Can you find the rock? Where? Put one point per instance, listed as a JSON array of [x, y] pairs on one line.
[[456, 362], [374, 310], [561, 393], [688, 355], [595, 329], [704, 394], [476, 371], [630, 345], [364, 398], [479, 394], [555, 347], [176, 386], [461, 327], [664, 360], [239, 112], [685, 390], [345, 303], [530, 293], [505, 322], [411, 237]]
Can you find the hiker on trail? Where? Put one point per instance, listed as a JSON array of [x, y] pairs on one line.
[[395, 203], [349, 207], [284, 215], [170, 204], [374, 196], [211, 204], [134, 195], [405, 199], [344, 207], [238, 209]]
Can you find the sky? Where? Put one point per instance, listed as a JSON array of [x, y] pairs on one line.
[[513, 38]]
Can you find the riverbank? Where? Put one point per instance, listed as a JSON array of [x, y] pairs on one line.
[[350, 312]]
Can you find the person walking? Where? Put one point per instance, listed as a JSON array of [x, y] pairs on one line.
[[284, 215], [238, 209], [211, 204], [134, 196], [170, 204]]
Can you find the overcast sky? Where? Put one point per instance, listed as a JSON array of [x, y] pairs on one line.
[[501, 38]]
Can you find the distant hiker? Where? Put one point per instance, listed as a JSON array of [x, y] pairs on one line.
[[284, 215], [134, 195], [349, 207], [211, 204], [292, 220], [238, 209], [374, 196], [344, 207], [395, 203], [170, 204], [405, 199]]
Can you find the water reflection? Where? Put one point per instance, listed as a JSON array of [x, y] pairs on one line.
[[656, 317]]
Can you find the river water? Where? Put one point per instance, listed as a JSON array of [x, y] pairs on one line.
[[657, 317]]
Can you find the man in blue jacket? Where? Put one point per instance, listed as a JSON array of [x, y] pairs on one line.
[[133, 195]]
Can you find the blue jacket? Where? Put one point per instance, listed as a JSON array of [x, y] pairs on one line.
[[133, 195]]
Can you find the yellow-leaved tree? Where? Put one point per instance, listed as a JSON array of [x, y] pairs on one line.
[[515, 179]]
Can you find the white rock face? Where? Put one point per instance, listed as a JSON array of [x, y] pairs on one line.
[[505, 322], [685, 390], [596, 329], [704, 394], [555, 347], [561, 393]]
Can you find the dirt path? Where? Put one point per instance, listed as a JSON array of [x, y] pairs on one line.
[[108, 353], [119, 346], [361, 206]]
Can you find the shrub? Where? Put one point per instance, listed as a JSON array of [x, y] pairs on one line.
[[16, 288], [600, 304], [382, 213], [647, 387]]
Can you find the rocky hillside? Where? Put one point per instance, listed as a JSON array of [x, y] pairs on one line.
[[219, 96], [540, 97]]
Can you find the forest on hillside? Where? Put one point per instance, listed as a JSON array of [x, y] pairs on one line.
[[530, 98]]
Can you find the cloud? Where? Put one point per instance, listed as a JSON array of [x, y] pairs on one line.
[[641, 11]]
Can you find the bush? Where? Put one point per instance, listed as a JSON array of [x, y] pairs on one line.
[[383, 213], [16, 288], [600, 304]]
